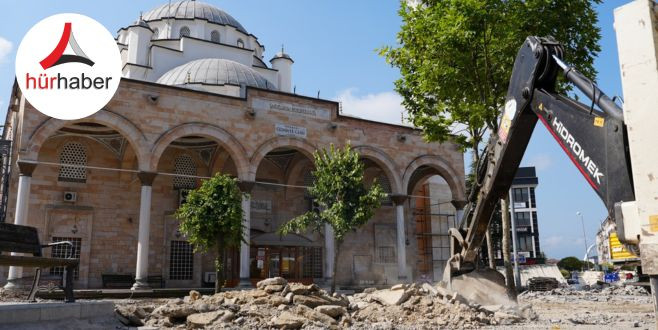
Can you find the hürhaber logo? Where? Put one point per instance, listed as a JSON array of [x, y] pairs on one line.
[[68, 66]]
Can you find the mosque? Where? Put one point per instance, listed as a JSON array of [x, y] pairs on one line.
[[198, 97]]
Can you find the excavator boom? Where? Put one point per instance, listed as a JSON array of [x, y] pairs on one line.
[[594, 138]]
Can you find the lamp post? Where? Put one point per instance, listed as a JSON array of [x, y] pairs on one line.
[[582, 221]]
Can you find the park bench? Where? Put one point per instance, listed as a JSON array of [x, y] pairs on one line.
[[24, 239]]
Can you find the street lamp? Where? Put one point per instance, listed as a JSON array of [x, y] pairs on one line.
[[582, 221]]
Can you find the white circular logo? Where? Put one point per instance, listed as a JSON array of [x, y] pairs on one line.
[[68, 66]]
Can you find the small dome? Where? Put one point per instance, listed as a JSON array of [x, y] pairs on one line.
[[190, 9], [282, 54], [214, 71]]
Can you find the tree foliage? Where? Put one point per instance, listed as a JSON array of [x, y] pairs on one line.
[[456, 57], [570, 264], [211, 217], [345, 203]]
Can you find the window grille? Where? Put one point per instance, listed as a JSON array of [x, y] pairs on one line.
[[184, 32], [308, 182], [184, 165], [73, 153], [386, 186], [312, 265], [63, 251], [214, 36], [181, 262], [533, 202], [385, 254]]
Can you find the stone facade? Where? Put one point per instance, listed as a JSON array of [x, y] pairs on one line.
[[150, 128]]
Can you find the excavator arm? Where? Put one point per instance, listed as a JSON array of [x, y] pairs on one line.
[[593, 136]]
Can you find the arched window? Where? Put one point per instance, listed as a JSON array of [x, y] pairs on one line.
[[240, 43], [184, 32], [386, 186], [214, 36], [156, 33], [73, 153], [184, 165]]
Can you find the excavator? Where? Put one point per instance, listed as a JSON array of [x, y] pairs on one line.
[[614, 147]]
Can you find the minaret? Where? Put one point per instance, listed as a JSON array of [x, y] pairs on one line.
[[282, 62]]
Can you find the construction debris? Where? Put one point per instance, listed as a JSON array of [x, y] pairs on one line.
[[542, 284], [275, 303]]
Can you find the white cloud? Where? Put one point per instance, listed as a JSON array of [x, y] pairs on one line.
[[5, 49], [383, 107]]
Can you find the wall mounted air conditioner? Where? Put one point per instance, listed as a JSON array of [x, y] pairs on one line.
[[70, 196]]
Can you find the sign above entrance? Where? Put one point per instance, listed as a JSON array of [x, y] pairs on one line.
[[291, 109], [289, 130]]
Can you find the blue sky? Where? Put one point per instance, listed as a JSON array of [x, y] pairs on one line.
[[333, 44]]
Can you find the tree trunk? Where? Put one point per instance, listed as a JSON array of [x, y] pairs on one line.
[[333, 270], [509, 272], [490, 250], [219, 265]]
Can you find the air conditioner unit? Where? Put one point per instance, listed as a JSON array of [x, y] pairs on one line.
[[70, 196], [209, 277], [182, 196]]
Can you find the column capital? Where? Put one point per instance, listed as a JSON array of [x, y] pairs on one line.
[[458, 204], [246, 186], [146, 177], [399, 199], [25, 168]]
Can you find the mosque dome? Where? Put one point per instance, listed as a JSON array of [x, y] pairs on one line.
[[214, 71], [191, 9]]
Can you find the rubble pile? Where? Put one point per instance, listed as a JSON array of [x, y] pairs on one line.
[[275, 303], [595, 293]]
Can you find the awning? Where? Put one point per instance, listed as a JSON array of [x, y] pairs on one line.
[[275, 239]]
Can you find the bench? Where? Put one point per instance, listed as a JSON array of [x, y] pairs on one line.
[[122, 281], [24, 239]]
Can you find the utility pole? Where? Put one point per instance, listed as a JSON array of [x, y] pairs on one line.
[[582, 221]]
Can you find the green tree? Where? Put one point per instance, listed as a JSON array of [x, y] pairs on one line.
[[456, 58], [570, 263], [211, 217], [344, 202]]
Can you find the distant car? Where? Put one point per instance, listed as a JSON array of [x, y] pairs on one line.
[[572, 281]]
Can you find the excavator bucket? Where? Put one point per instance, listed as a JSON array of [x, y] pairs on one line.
[[481, 286]]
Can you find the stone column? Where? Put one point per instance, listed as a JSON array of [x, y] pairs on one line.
[[330, 250], [141, 271], [245, 277], [402, 239], [22, 207], [459, 207]]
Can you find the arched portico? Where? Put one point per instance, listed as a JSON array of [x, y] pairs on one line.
[[128, 130], [216, 133], [440, 167], [385, 162], [301, 145]]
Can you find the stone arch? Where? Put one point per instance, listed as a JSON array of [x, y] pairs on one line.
[[121, 124], [442, 168], [298, 144], [222, 137], [385, 162]]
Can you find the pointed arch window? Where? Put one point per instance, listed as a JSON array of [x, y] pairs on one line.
[[74, 155], [184, 32], [214, 36], [184, 165]]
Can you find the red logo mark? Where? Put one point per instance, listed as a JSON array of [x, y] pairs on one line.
[[58, 57]]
